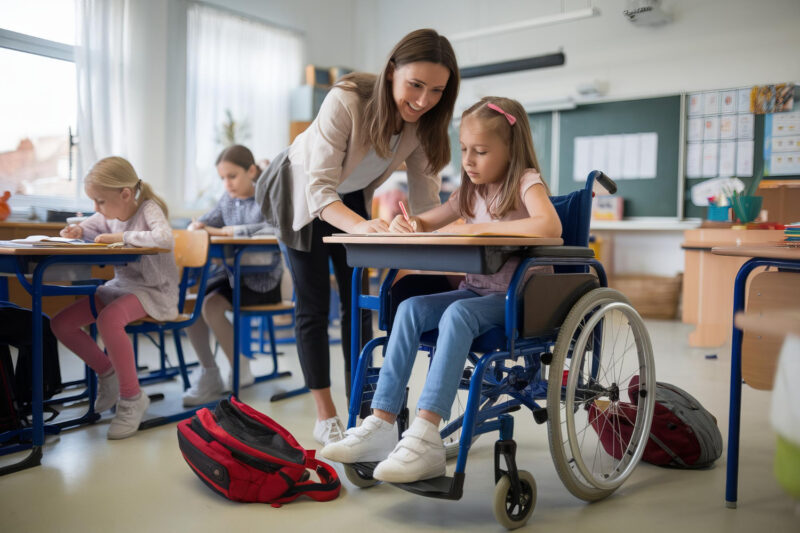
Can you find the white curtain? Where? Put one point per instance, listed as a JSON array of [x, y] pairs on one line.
[[102, 55], [240, 66]]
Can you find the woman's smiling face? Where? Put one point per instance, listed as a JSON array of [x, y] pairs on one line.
[[417, 87]]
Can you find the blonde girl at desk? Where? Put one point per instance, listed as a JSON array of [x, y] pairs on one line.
[[236, 215], [366, 128], [501, 191], [127, 211]]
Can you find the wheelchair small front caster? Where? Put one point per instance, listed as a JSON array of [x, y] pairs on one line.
[[514, 511], [358, 477]]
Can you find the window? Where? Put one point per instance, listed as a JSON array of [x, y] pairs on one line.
[[38, 100], [240, 73]]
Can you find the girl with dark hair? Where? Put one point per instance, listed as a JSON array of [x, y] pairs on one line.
[[367, 127], [237, 215]]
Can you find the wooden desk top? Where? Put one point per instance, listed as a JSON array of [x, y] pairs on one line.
[[259, 239], [442, 239], [769, 251], [78, 250]]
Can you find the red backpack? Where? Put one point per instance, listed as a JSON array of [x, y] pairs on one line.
[[683, 434], [246, 456]]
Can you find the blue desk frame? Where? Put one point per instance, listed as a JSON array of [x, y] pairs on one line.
[[732, 475], [18, 264], [240, 247]]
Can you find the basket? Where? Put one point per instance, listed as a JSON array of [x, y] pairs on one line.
[[651, 296]]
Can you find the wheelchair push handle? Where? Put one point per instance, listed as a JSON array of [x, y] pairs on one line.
[[607, 183]]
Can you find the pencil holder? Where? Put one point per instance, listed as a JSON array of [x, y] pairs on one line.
[[719, 213], [746, 208]]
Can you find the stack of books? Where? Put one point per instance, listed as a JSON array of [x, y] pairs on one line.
[[792, 233]]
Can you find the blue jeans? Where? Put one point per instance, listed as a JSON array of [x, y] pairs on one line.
[[461, 316]]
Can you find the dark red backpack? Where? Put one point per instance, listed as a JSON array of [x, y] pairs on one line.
[[246, 456], [683, 434]]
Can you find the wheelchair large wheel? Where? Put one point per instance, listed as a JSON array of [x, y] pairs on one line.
[[514, 512], [601, 349]]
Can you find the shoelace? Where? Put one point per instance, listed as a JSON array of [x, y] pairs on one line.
[[333, 429]]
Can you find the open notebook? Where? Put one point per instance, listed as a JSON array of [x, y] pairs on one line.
[[45, 240], [437, 234]]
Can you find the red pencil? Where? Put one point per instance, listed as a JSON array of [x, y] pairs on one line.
[[403, 209]]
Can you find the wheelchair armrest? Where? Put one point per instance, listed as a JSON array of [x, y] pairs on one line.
[[560, 251]]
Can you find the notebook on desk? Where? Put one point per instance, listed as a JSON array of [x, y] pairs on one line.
[[45, 240], [436, 234]]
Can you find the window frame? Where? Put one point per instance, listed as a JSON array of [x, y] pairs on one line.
[[29, 44]]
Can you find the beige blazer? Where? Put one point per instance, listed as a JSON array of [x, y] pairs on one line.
[[328, 151]]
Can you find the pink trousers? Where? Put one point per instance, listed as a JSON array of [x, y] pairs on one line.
[[111, 321]]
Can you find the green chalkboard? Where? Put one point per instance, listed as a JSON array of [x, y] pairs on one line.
[[643, 197]]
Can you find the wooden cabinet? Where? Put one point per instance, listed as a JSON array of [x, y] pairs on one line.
[[708, 281]]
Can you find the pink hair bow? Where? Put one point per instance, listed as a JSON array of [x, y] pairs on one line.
[[511, 119]]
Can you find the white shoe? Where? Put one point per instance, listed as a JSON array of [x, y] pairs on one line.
[[372, 441], [208, 388], [129, 416], [246, 377], [107, 392], [419, 455], [328, 431]]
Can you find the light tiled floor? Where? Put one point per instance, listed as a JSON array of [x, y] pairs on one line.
[[87, 483]]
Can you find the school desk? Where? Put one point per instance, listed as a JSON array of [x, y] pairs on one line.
[[225, 248], [707, 297], [44, 261], [787, 261], [429, 252]]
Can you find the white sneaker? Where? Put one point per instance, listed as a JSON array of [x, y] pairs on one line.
[[329, 430], [246, 377], [107, 392], [372, 441], [129, 416], [208, 387], [419, 455]]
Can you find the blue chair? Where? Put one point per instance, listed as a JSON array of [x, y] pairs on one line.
[[579, 357]]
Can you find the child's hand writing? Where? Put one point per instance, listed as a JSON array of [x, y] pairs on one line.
[[108, 238], [73, 231], [401, 225]]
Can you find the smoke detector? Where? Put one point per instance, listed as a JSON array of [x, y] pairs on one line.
[[646, 13]]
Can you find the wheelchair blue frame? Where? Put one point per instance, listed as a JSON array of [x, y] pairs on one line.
[[487, 377]]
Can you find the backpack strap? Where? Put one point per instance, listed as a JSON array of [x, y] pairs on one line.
[[666, 448], [326, 490]]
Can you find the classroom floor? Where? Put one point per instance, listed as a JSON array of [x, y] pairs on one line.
[[87, 483]]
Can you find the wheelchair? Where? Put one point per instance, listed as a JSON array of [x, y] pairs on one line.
[[589, 353]]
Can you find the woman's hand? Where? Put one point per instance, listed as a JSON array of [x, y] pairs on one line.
[[227, 231], [401, 225], [108, 238], [195, 225], [376, 225], [73, 231]]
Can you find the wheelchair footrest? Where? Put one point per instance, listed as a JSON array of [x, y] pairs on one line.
[[444, 487]]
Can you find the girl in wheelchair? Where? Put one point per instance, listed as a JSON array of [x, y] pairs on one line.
[[501, 192]]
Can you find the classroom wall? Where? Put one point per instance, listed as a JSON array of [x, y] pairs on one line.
[[710, 44]]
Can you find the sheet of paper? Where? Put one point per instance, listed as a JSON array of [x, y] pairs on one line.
[[694, 160], [695, 104], [727, 159], [711, 103], [727, 127], [599, 153], [615, 153], [711, 129], [648, 159], [582, 158], [743, 98], [630, 162], [710, 159], [714, 187], [744, 158], [745, 126], [728, 102], [694, 132]]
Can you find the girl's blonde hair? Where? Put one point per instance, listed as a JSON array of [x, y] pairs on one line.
[[520, 150], [379, 107], [117, 173]]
